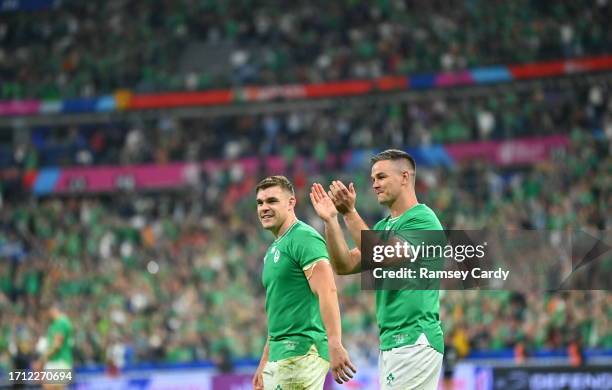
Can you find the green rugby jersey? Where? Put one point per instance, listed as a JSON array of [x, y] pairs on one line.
[[403, 315], [62, 326], [294, 319]]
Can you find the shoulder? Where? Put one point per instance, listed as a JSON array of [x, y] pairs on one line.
[[64, 322], [305, 232], [421, 217], [305, 239], [380, 224]]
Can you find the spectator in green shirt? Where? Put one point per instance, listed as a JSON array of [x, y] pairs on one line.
[[60, 339]]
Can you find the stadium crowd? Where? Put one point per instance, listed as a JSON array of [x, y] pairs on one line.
[[175, 276], [505, 113], [66, 52]]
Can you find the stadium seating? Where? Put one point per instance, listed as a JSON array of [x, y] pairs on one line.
[[186, 45]]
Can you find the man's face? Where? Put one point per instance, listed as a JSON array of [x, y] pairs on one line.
[[52, 313], [273, 207], [387, 180]]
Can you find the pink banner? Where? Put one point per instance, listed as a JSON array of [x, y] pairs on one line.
[[515, 152], [153, 176], [19, 107], [100, 179], [454, 78]]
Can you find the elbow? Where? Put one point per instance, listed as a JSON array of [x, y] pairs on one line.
[[345, 267], [341, 271], [339, 267]]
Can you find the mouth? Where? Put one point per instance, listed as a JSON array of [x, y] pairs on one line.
[[266, 217]]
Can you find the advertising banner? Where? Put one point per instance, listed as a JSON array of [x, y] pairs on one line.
[[125, 99], [121, 178], [514, 152], [159, 380], [553, 378], [19, 107], [232, 382]]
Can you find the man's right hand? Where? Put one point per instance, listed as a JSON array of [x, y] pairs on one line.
[[340, 364], [258, 378], [344, 198]]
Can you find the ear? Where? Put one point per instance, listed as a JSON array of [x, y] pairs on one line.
[[406, 177], [292, 201]]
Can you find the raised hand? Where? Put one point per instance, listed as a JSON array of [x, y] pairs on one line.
[[323, 205], [344, 198]]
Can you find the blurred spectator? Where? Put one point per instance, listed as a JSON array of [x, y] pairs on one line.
[[84, 49], [505, 113]]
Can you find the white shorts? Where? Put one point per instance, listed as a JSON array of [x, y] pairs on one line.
[[305, 372], [411, 367]]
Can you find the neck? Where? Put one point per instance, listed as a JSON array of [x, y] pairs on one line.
[[286, 225], [403, 204]]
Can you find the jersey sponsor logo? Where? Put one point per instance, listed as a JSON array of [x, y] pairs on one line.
[[290, 345]]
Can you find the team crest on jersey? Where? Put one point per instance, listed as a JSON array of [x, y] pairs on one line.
[[275, 254]]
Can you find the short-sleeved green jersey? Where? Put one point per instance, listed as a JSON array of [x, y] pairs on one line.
[[61, 326], [403, 315], [294, 319]]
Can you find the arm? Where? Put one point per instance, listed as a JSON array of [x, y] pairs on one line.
[[55, 346], [344, 199], [343, 260], [355, 225], [321, 280], [258, 377]]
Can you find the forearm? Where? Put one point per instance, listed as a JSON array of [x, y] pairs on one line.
[[53, 349], [264, 354], [355, 224], [330, 314], [340, 256]]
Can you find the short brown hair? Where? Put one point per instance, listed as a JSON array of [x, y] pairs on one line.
[[272, 181], [393, 155]]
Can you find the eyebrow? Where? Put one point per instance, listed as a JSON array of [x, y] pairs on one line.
[[377, 174], [268, 199]]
